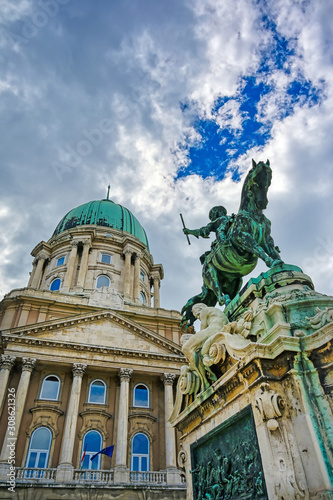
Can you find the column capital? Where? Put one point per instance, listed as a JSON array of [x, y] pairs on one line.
[[7, 361], [28, 364], [42, 255], [78, 369], [125, 374], [126, 252], [169, 378], [74, 243]]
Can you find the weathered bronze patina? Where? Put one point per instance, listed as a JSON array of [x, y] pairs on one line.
[[226, 463], [240, 241]]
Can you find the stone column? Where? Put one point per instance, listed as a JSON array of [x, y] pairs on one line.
[[8, 447], [70, 267], [84, 264], [136, 285], [121, 470], [173, 476], [127, 273], [34, 264], [156, 292], [65, 468], [35, 282], [7, 363]]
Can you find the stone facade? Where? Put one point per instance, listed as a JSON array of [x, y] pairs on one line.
[[263, 429], [117, 335]]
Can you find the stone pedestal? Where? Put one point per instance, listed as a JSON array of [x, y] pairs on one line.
[[264, 427], [65, 473], [121, 474]]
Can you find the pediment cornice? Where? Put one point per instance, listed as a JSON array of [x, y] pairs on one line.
[[37, 329]]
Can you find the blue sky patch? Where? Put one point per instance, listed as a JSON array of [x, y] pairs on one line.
[[221, 145]]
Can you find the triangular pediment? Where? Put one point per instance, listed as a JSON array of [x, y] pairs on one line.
[[107, 329]]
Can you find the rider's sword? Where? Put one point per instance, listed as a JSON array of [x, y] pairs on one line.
[[188, 239]]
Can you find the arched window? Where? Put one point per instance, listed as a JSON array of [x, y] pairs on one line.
[[106, 258], [55, 285], [140, 453], [102, 281], [92, 444], [39, 448], [50, 388], [97, 392], [143, 298], [141, 396]]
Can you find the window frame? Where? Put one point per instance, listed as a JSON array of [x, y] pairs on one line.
[[39, 450], [143, 296], [148, 399], [59, 258], [89, 453], [140, 455], [102, 276], [42, 386], [89, 392], [53, 281], [108, 255], [142, 276]]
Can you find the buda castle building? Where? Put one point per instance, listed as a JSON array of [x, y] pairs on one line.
[[89, 362]]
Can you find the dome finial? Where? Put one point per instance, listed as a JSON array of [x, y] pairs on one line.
[[107, 196]]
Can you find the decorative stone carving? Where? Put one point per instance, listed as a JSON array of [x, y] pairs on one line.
[[125, 374], [321, 318], [94, 418], [169, 378], [45, 415], [78, 369], [212, 321], [7, 361], [28, 364], [182, 457], [269, 404]]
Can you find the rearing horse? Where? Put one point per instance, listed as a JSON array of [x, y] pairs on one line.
[[248, 239]]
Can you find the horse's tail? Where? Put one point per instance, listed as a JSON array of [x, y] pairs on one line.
[[206, 297]]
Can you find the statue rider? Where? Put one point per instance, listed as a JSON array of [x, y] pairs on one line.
[[220, 224]]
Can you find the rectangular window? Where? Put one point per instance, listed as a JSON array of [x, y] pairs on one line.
[[106, 258], [61, 261]]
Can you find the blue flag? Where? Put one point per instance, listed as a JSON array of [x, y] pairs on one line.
[[106, 451]]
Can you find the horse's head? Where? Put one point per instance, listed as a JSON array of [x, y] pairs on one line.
[[256, 184]]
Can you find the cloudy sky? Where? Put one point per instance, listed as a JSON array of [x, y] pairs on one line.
[[167, 101]]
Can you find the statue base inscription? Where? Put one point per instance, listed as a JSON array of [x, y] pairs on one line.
[[254, 405]]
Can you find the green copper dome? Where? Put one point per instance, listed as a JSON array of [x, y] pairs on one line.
[[103, 213]]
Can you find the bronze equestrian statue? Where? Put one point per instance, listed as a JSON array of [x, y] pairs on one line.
[[235, 254]]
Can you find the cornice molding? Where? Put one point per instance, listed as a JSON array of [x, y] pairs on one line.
[[73, 346]]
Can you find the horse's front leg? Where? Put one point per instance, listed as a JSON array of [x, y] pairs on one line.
[[271, 249], [245, 241], [212, 280]]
